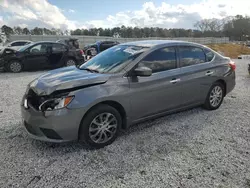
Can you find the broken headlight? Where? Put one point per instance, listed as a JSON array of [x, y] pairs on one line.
[[56, 103]]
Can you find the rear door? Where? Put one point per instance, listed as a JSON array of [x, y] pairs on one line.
[[196, 74], [160, 91], [37, 56], [56, 55]]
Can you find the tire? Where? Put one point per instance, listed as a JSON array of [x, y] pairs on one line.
[[92, 128], [215, 96], [70, 62], [14, 66]]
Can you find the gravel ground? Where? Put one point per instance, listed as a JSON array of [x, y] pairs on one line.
[[195, 148]]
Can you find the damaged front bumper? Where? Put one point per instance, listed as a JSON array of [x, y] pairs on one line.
[[57, 126]]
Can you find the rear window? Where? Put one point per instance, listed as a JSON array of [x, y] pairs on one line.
[[209, 55], [190, 55]]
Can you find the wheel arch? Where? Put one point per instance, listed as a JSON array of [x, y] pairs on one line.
[[224, 84], [71, 57], [113, 104], [13, 59]]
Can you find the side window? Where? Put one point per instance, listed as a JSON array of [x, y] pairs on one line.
[[18, 43], [209, 54], [160, 60], [58, 48], [21, 43], [40, 48], [105, 46], [191, 56], [14, 44]]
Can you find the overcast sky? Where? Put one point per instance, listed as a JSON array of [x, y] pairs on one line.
[[72, 14]]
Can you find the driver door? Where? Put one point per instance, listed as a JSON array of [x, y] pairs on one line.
[[159, 92], [36, 57]]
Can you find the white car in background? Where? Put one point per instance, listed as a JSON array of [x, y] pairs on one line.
[[15, 45]]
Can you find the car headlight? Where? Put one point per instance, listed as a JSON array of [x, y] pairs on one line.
[[55, 104]]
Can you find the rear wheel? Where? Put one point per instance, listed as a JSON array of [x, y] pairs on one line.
[[100, 126], [215, 96], [14, 66], [70, 62]]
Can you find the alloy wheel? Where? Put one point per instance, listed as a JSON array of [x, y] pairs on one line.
[[216, 96], [103, 128], [15, 67], [70, 62]]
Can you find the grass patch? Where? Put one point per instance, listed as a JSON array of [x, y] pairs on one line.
[[230, 50]]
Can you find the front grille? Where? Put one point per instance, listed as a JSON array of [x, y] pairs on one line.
[[50, 134], [35, 100]]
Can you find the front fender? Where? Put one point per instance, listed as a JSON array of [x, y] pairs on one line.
[[88, 97]]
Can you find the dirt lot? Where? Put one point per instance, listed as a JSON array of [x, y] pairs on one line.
[[231, 50], [195, 148]]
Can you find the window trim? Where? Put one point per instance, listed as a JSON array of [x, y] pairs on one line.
[[206, 55], [176, 57], [179, 55]]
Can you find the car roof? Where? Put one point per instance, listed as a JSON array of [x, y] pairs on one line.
[[102, 41], [153, 43], [42, 42], [20, 41]]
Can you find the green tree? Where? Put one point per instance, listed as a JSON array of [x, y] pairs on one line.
[[7, 30], [18, 30], [37, 31], [26, 31]]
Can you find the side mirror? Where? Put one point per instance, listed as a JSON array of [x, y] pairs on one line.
[[143, 71]]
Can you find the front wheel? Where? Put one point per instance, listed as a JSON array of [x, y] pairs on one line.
[[14, 66], [215, 96], [100, 126]]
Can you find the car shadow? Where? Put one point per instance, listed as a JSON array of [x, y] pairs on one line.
[[145, 128]]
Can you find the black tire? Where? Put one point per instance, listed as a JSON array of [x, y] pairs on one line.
[[14, 66], [84, 131], [70, 62], [208, 104]]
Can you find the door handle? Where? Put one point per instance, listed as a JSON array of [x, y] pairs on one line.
[[209, 73], [173, 81]]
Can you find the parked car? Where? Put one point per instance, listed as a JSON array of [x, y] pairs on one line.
[[71, 42], [15, 45], [40, 55], [122, 86], [99, 46]]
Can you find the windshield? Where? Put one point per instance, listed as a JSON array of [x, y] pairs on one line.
[[22, 49], [114, 59]]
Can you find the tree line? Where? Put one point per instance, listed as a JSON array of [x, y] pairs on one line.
[[237, 28]]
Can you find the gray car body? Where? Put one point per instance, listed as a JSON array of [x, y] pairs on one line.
[[136, 98]]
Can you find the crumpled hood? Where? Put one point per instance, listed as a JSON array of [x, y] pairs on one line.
[[65, 78]]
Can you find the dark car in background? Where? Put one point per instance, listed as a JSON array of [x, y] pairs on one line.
[[71, 42], [99, 46], [40, 55]]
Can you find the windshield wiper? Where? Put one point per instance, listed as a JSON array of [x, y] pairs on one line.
[[90, 70]]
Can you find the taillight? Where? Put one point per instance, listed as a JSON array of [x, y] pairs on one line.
[[81, 52], [232, 65]]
